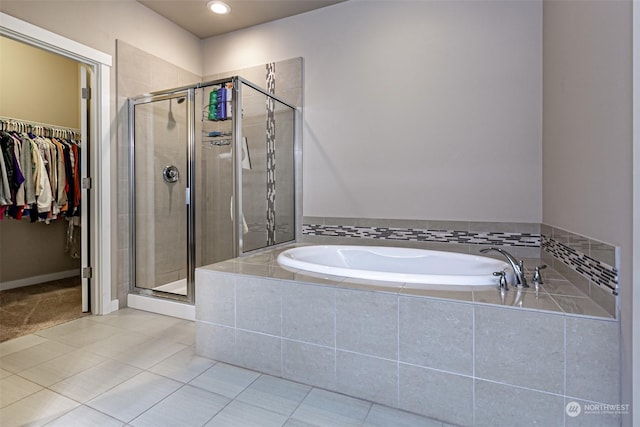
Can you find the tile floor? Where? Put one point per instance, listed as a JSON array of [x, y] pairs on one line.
[[136, 368]]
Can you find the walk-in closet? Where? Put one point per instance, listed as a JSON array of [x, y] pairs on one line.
[[41, 197]]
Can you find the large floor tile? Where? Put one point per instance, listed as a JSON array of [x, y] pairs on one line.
[[14, 388], [36, 410], [383, 416], [20, 343], [275, 394], [189, 406], [66, 328], [183, 332], [83, 416], [82, 335], [150, 352], [226, 380], [324, 408], [34, 355], [131, 398], [117, 344], [150, 324], [94, 381], [62, 367], [182, 366], [238, 414]]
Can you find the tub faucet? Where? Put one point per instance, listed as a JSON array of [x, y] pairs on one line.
[[517, 266]]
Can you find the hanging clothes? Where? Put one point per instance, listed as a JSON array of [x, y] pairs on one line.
[[39, 174]]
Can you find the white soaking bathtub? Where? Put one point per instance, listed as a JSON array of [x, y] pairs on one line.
[[392, 264]]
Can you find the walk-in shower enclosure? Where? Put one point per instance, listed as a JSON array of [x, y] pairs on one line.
[[212, 178]]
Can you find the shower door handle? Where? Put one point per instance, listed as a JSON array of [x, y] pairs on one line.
[[187, 196]]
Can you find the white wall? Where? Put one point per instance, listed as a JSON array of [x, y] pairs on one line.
[[98, 23], [587, 144], [417, 110]]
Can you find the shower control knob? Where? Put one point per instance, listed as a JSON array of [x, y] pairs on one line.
[[170, 174]]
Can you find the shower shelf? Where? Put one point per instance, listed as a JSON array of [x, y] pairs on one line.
[[217, 142], [216, 134]]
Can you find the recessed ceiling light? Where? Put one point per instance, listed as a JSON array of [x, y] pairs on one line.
[[219, 7]]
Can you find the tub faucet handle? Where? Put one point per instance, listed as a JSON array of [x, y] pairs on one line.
[[537, 277], [502, 282]]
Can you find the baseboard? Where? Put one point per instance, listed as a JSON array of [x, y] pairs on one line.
[[34, 280], [115, 305], [162, 306]]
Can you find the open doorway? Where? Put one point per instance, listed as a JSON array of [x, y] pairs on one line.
[[98, 165], [43, 238]]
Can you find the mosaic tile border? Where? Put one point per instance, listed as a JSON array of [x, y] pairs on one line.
[[529, 240], [271, 154], [600, 273]]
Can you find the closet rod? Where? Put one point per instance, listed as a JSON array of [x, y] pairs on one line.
[[37, 127]]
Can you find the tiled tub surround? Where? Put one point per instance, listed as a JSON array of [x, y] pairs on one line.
[[455, 356], [589, 264], [523, 239]]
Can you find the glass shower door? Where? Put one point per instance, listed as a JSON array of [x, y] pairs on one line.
[[267, 168], [213, 177], [160, 196]]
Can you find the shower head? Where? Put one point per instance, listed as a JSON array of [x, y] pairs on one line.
[[171, 121]]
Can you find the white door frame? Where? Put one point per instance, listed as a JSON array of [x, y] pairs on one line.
[[635, 404], [100, 152]]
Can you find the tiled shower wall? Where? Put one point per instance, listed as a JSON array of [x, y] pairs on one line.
[[284, 78], [589, 264], [139, 72]]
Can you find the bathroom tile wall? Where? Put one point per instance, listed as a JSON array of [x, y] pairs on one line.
[[588, 263], [523, 239], [137, 72], [457, 362]]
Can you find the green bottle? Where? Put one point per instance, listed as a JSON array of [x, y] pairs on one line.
[[213, 104]]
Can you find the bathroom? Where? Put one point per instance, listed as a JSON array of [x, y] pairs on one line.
[[458, 92]]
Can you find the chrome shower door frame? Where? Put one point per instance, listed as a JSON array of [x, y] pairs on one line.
[[237, 166], [187, 93]]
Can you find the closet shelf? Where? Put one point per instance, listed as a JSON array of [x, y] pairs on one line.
[[10, 124]]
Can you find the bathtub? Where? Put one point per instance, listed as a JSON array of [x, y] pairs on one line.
[[392, 264]]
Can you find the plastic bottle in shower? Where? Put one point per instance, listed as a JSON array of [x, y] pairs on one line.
[[213, 105], [228, 97]]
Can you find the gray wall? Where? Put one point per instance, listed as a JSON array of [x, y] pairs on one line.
[[438, 118], [587, 143]]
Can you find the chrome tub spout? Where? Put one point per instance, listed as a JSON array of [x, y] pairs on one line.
[[517, 266]]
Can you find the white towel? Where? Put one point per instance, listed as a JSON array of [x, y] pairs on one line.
[[245, 228]]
